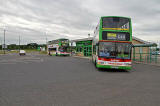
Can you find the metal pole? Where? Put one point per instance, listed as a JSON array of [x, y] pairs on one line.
[[46, 42], [2, 44], [150, 54], [159, 46], [19, 44], [4, 41]]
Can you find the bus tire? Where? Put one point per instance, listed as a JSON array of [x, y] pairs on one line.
[[96, 65]]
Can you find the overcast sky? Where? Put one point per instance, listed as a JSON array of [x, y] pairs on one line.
[[34, 20]]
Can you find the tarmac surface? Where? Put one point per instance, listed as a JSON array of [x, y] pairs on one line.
[[39, 80]]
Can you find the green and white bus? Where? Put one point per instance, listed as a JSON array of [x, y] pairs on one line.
[[112, 43], [59, 47]]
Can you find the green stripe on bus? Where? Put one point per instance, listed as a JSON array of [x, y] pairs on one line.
[[114, 67]]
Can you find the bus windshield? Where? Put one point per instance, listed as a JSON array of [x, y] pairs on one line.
[[115, 50], [123, 50], [107, 49], [115, 22]]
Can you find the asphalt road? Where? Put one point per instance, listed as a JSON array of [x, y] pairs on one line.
[[36, 80]]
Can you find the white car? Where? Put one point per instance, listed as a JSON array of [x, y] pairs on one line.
[[22, 52]]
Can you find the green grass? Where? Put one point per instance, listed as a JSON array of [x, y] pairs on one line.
[[31, 50], [1, 52], [6, 52], [43, 52], [27, 51], [15, 51], [35, 50]]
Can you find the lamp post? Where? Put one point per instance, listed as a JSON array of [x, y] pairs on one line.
[[46, 41], [4, 41], [1, 44], [19, 44]]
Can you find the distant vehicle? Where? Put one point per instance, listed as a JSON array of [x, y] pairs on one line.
[[59, 47], [156, 53], [112, 43], [22, 52]]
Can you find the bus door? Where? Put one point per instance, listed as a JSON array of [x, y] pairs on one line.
[[87, 51]]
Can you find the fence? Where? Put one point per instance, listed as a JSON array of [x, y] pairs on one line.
[[146, 53]]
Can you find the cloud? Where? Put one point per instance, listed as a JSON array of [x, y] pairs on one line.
[[34, 19]]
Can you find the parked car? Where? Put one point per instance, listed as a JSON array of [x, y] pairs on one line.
[[22, 52], [156, 53]]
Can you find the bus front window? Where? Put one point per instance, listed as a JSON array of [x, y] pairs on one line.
[[123, 50], [115, 50], [107, 49]]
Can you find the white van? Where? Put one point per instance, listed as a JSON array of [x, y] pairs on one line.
[[22, 52]]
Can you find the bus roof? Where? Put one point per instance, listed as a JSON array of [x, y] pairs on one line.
[[116, 16]]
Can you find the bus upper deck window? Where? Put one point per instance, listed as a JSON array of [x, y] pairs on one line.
[[116, 19]]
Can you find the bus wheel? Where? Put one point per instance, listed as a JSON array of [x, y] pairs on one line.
[[96, 64]]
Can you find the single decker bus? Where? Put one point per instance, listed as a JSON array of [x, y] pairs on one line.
[[59, 47], [112, 43]]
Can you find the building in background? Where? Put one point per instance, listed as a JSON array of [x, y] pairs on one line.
[[83, 46]]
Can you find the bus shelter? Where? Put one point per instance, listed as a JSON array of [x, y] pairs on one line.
[[145, 53], [83, 47]]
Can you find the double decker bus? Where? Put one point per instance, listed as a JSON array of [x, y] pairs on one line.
[[59, 47], [112, 43]]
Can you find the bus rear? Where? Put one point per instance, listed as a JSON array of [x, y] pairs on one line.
[[63, 49]]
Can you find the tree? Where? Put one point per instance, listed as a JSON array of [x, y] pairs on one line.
[[32, 46]]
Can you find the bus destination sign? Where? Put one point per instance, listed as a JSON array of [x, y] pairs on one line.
[[115, 36], [111, 36]]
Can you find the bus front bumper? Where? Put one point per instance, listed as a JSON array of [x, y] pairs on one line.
[[114, 67]]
